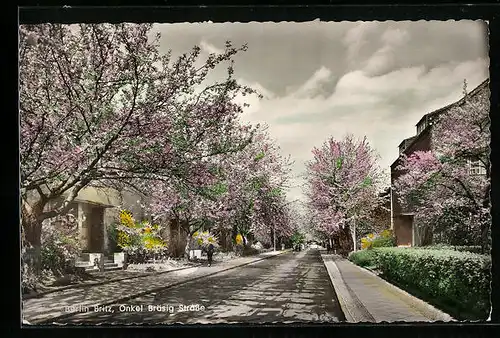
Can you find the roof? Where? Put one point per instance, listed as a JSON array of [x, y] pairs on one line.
[[406, 140], [442, 109], [412, 139]]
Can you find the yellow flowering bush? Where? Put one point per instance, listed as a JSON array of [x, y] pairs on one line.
[[126, 219], [152, 243], [387, 233], [384, 239], [141, 240], [203, 239], [123, 239], [366, 243]]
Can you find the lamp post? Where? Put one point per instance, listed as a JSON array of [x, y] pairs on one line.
[[354, 235], [274, 237]]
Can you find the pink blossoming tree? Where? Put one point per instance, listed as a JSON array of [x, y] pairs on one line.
[[234, 196], [100, 105], [342, 185], [440, 185]]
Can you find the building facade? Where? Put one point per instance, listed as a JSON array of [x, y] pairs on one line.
[[95, 210], [402, 219], [381, 216]]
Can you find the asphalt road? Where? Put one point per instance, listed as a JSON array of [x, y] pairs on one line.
[[292, 287]]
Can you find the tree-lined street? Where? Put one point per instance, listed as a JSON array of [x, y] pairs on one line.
[[137, 157]]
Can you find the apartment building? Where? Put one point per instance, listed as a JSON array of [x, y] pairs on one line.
[[402, 218]]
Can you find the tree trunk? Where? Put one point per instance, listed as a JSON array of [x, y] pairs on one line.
[[234, 233], [428, 236], [485, 236], [485, 224], [189, 234], [187, 247], [32, 234], [345, 241], [335, 243]]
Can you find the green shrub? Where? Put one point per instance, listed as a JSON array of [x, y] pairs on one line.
[[60, 245], [470, 248], [297, 238], [59, 253], [458, 282], [364, 258], [382, 242]]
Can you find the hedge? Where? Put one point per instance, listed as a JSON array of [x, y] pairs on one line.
[[466, 248], [382, 242], [364, 258], [458, 282]]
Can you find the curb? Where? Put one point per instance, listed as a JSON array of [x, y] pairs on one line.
[[354, 311], [83, 285], [423, 307], [124, 299]]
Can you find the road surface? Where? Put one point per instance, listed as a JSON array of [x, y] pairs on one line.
[[293, 287]]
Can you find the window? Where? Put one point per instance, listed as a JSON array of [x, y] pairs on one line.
[[421, 126], [476, 167], [401, 148]]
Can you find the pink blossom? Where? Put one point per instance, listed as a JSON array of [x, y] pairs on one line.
[[342, 183]]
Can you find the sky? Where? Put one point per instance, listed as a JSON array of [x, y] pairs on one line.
[[327, 79]]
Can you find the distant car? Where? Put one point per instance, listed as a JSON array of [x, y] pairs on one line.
[[314, 246]]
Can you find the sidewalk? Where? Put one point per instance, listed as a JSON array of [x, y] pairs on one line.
[[365, 297], [58, 305], [103, 278]]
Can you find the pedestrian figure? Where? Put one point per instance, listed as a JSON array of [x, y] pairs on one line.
[[210, 253], [328, 248]]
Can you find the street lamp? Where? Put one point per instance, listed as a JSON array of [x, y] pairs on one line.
[[354, 233]]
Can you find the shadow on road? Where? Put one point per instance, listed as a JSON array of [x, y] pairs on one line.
[[287, 288]]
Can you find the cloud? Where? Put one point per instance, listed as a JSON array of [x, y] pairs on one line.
[[209, 48], [322, 79], [395, 36], [384, 108], [312, 86], [357, 37], [380, 47], [384, 59]]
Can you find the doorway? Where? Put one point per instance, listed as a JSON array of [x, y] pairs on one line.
[[96, 228]]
